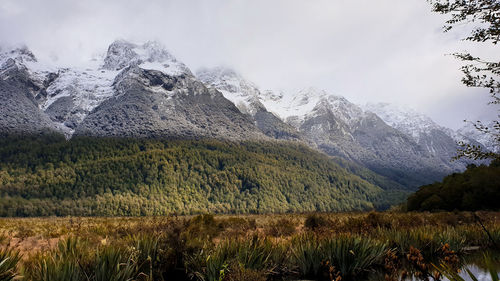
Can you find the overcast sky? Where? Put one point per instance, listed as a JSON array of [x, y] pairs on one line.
[[368, 51]]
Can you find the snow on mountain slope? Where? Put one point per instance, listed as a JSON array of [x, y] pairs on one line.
[[303, 103], [406, 120], [439, 141], [248, 99], [150, 56], [75, 93], [20, 55], [243, 93], [19, 95], [420, 126], [70, 94], [293, 105]]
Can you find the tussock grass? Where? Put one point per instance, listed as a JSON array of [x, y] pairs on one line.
[[248, 247]]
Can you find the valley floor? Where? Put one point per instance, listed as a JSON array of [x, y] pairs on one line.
[[322, 246]]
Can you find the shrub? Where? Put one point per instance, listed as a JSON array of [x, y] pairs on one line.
[[315, 221], [282, 227], [200, 230]]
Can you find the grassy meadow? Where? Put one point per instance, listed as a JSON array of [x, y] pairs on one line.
[[322, 246]]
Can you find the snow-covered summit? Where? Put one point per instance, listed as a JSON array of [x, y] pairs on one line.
[[437, 139], [405, 119], [309, 101], [243, 93], [19, 55], [70, 94], [150, 55]]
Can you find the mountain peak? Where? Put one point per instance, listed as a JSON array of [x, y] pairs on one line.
[[20, 55], [404, 119], [151, 55], [243, 93]]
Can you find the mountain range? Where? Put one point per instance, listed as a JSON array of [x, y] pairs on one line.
[[142, 91]]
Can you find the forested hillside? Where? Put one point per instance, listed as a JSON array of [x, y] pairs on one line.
[[478, 188], [49, 175]]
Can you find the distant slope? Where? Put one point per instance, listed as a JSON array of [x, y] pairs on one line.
[[42, 176], [341, 128]]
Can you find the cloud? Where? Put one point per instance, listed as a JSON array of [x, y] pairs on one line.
[[385, 50]]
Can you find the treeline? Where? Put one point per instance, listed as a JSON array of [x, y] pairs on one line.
[[42, 176], [478, 188]]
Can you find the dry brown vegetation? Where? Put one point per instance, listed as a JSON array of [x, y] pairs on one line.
[[321, 246]]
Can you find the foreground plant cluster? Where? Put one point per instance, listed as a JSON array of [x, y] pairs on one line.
[[362, 246]]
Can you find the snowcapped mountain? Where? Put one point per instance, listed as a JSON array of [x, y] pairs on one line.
[[150, 56], [437, 140], [401, 145], [341, 128], [406, 120], [137, 91], [244, 94], [248, 98], [143, 91], [303, 104]]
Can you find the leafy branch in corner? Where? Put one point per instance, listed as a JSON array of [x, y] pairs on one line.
[[485, 12], [477, 152], [478, 73]]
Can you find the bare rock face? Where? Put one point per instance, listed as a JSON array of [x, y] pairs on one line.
[[19, 93]]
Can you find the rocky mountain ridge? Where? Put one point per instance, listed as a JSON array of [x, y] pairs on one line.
[[138, 91], [143, 91], [395, 143]]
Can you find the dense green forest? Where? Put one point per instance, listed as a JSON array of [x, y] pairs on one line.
[[478, 188], [41, 176]]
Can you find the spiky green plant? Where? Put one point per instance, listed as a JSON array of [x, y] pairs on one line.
[[255, 253], [53, 269], [109, 266], [60, 264], [207, 265], [8, 264], [423, 239], [148, 255], [353, 256], [452, 237], [306, 255]]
